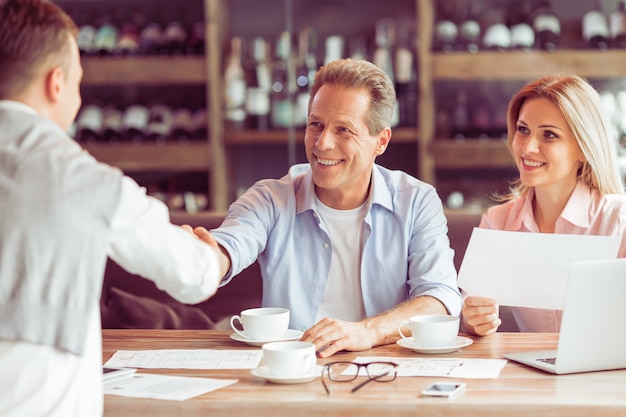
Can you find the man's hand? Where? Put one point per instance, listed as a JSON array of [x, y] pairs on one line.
[[204, 235], [480, 315], [331, 336], [201, 233]]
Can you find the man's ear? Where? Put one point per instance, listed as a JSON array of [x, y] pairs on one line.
[[383, 141], [54, 84]]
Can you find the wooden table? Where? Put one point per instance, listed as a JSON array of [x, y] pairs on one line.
[[519, 390]]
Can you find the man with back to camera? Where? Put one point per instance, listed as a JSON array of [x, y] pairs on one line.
[[351, 248], [61, 214]]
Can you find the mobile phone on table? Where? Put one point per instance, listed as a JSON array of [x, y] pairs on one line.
[[444, 389]]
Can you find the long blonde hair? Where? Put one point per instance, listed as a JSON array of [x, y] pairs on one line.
[[581, 106]]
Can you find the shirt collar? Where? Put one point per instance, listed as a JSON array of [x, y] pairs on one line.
[[526, 217], [305, 193], [581, 197], [16, 105]]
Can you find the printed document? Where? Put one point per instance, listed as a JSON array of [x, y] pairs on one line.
[[186, 359], [527, 269]]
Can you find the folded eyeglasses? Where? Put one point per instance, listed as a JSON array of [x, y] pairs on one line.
[[345, 371]]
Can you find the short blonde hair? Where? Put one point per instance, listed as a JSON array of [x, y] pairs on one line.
[[581, 106]]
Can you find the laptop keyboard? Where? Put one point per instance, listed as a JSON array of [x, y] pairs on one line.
[[548, 360]]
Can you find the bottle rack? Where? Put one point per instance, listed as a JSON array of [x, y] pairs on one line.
[[199, 71], [437, 160], [447, 163]]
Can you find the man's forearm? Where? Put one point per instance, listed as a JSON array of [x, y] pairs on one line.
[[385, 325]]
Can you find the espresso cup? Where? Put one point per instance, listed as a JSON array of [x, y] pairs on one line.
[[264, 323], [432, 331], [289, 359]]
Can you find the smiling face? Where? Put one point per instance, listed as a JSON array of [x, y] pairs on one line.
[[546, 152], [339, 146]]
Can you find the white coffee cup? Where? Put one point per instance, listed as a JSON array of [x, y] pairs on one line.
[[264, 323], [289, 359], [432, 330]]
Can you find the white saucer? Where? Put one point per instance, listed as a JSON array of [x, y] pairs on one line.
[[290, 334], [458, 343], [264, 372]]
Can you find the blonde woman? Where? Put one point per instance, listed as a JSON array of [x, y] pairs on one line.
[[569, 182]]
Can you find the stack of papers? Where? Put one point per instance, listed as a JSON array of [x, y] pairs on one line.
[[177, 388]]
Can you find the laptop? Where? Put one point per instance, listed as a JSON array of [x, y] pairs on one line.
[[592, 326]]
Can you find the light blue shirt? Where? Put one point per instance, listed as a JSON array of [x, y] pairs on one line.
[[406, 250]]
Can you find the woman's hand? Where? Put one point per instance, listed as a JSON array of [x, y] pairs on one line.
[[480, 315]]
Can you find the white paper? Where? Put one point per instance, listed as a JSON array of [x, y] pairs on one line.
[[186, 359], [441, 367], [164, 387], [527, 269]]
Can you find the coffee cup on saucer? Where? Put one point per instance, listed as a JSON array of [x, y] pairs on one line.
[[432, 330], [289, 359], [264, 323]]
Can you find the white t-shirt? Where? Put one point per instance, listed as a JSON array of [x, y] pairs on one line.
[[343, 298]]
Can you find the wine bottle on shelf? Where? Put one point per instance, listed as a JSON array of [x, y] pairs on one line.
[[443, 114], [175, 38], [107, 33], [85, 21], [460, 117], [357, 47], [112, 124], [446, 30], [497, 35], [406, 76], [445, 37], [89, 124], [151, 39], [134, 123], [197, 40], [303, 69], [86, 38], [281, 108], [617, 26], [235, 85], [314, 58], [259, 84], [182, 125], [334, 46], [128, 41], [547, 27], [159, 125], [105, 39], [481, 113], [519, 22], [500, 100], [383, 56], [200, 124], [468, 38], [522, 36], [595, 29]]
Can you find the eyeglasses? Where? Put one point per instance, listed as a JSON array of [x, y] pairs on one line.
[[344, 371]]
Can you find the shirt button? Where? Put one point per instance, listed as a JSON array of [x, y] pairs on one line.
[[326, 245]]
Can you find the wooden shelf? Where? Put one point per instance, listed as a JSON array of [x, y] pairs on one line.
[[281, 137], [514, 65], [144, 71], [172, 157], [471, 153]]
